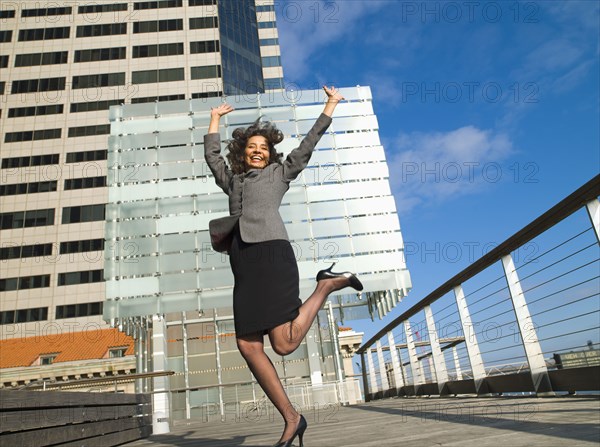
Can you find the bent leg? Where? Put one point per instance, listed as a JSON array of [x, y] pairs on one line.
[[252, 349], [286, 337]]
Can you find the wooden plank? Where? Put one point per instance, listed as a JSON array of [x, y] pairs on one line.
[[113, 439], [68, 433], [10, 399], [52, 417]]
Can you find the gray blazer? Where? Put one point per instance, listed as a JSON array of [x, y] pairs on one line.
[[255, 196]]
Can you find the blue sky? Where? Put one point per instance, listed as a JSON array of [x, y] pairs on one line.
[[501, 99]]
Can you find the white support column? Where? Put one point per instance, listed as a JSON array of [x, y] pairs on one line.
[[441, 373], [382, 372], [459, 375], [186, 372], [160, 396], [333, 331], [218, 359], [314, 356], [139, 360], [396, 367], [533, 350], [415, 363], [475, 359], [372, 375], [593, 209]]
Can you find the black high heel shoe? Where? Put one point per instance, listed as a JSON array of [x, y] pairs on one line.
[[299, 432], [328, 274]]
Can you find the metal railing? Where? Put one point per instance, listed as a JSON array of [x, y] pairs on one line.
[[522, 317]]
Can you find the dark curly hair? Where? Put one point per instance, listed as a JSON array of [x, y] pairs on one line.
[[237, 146]]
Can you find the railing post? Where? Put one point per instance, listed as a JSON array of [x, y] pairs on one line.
[[459, 375], [372, 376], [398, 379], [441, 373], [160, 395], [385, 386], [593, 209], [470, 341], [533, 350], [415, 363]]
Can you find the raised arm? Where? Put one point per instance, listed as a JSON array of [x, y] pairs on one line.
[[212, 148], [297, 160]]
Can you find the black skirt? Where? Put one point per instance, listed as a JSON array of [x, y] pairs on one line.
[[266, 289]]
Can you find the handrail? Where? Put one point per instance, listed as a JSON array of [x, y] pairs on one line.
[[92, 380], [558, 212]]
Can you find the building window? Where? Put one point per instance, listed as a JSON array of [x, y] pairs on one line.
[[164, 49], [26, 35], [83, 277], [81, 246], [25, 251], [265, 8], [150, 76], [153, 26], [32, 135], [3, 61], [84, 213], [77, 157], [157, 98], [204, 22], [263, 25], [206, 72], [115, 353], [2, 85], [41, 12], [23, 315], [269, 42], [25, 282], [47, 359], [202, 2], [109, 29], [205, 46], [271, 61], [158, 4], [98, 80], [273, 83], [88, 131], [26, 219], [5, 36], [18, 112], [34, 160], [35, 59], [7, 14], [100, 54], [94, 105], [79, 310], [206, 95], [38, 85], [85, 183], [110, 7], [27, 188]]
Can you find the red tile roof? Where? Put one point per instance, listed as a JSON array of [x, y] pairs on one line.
[[68, 347]]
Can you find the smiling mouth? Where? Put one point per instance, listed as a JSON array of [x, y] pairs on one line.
[[256, 158]]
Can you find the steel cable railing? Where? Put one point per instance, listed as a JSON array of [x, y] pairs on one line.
[[548, 304]]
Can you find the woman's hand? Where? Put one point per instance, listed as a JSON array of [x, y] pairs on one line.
[[333, 94], [333, 97], [215, 115], [221, 110]]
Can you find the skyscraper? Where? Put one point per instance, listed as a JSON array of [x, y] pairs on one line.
[[63, 66]]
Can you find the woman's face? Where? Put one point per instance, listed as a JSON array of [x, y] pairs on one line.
[[256, 155]]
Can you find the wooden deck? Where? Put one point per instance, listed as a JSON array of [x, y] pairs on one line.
[[420, 422]]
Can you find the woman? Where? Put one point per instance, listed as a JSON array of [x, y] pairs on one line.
[[266, 291]]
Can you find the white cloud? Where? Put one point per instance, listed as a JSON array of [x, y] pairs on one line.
[[441, 166]]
